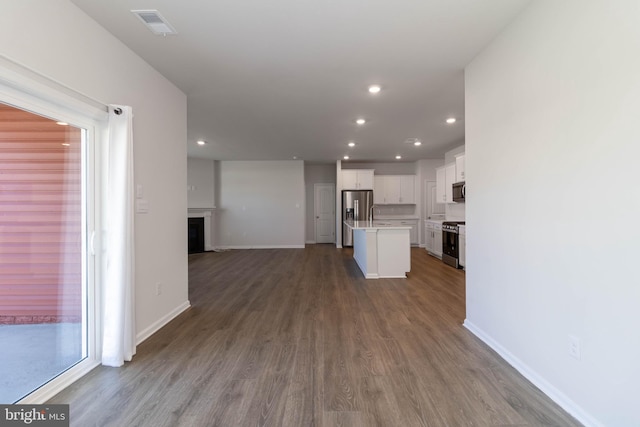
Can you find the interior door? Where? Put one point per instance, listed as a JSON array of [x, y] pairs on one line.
[[325, 212], [432, 207]]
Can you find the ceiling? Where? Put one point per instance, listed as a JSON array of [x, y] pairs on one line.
[[288, 78]]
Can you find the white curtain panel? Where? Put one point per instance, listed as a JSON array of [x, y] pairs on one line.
[[118, 320]]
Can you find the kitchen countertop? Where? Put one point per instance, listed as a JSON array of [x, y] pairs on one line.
[[374, 225], [388, 217]]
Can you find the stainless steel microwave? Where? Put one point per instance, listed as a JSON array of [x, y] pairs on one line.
[[459, 191]]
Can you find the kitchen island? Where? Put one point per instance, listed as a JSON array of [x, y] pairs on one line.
[[380, 249]]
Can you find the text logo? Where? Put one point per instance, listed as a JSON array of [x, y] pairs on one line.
[[34, 415]]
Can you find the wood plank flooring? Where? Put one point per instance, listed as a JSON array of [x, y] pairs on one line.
[[297, 337]]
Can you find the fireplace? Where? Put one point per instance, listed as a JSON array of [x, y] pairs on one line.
[[196, 235], [205, 215]]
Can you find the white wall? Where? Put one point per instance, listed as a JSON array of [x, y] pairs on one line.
[[450, 156], [56, 39], [201, 183], [315, 174], [261, 204], [384, 168], [552, 149]]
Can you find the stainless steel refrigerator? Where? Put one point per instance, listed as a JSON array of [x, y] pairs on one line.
[[356, 205]]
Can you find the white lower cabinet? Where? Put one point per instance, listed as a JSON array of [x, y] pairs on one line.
[[428, 233], [413, 233], [433, 243]]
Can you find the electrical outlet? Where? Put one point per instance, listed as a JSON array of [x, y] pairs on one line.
[[574, 347], [158, 288]]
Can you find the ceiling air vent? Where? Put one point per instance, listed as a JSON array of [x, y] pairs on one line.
[[154, 21]]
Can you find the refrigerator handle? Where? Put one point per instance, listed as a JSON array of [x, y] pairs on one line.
[[356, 209]]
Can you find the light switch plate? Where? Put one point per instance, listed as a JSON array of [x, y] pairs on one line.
[[142, 206]]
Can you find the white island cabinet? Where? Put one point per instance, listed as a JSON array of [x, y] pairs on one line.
[[380, 250]]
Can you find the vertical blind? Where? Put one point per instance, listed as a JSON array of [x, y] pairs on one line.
[[40, 219]]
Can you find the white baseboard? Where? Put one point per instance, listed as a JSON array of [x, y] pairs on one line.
[[547, 388], [56, 385], [263, 247], [155, 326]]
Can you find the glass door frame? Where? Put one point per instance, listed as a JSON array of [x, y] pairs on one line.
[[24, 93]]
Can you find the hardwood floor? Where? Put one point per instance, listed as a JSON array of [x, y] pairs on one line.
[[297, 337]]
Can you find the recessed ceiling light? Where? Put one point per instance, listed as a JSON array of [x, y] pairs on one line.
[[374, 89], [295, 157], [398, 157], [451, 120], [351, 144], [62, 123], [361, 121], [413, 141], [202, 142], [346, 157]]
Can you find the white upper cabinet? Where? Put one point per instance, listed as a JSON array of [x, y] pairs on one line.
[[357, 179], [349, 179], [394, 190], [407, 189], [445, 177], [378, 190], [460, 168], [391, 190], [365, 179]]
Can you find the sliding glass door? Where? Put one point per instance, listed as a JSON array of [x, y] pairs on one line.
[[46, 218]]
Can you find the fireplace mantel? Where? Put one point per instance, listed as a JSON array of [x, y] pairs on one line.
[[205, 213]]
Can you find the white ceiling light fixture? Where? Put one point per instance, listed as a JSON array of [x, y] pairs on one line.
[[417, 143], [398, 157], [451, 120], [351, 144], [360, 121], [155, 22], [202, 142], [374, 89], [346, 157]]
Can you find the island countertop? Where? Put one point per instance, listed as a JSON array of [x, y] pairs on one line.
[[374, 225]]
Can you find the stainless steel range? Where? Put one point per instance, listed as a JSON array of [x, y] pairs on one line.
[[450, 250]]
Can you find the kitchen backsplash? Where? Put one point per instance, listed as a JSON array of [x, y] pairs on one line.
[[395, 210], [455, 212]]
